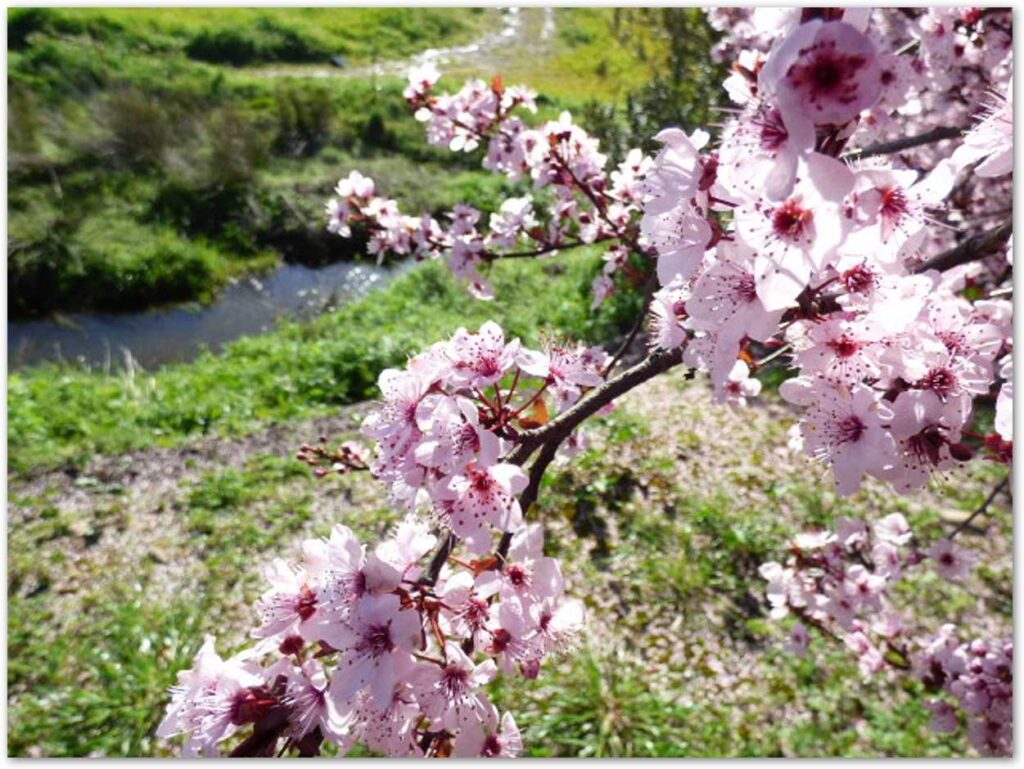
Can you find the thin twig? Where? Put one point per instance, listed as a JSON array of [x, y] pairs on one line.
[[970, 250], [495, 256], [984, 506], [652, 283], [907, 142]]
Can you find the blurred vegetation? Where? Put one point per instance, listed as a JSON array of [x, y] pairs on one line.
[[685, 90], [141, 125], [140, 175]]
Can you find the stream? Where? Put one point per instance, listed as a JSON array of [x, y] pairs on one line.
[[179, 333]]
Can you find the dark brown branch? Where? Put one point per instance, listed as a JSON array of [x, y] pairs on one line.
[[549, 437], [496, 256], [908, 142], [529, 495], [559, 428], [984, 506], [970, 250], [440, 556]]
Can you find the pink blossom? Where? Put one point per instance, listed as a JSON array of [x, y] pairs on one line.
[[449, 693], [951, 562], [680, 235], [796, 237], [739, 386], [488, 739], [484, 497], [924, 428], [798, 640], [205, 700], [827, 71], [991, 140], [760, 152], [310, 706], [893, 529], [668, 310], [375, 645], [844, 428], [481, 359]]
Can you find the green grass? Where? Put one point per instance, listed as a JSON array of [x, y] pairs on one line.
[[252, 36], [681, 661], [94, 678], [66, 414]]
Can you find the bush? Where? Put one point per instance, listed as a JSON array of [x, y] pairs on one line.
[[304, 116], [267, 40], [141, 127]]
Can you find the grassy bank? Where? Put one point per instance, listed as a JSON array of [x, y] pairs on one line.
[[152, 154], [65, 414]]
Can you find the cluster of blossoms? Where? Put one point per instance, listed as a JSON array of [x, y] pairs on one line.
[[374, 646], [774, 241], [577, 200], [832, 224], [841, 584], [371, 647], [455, 412]]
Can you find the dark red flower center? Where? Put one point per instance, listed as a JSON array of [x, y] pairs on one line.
[[790, 220]]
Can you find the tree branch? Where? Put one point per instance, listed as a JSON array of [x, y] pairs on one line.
[[652, 284], [984, 506], [908, 142], [440, 556], [559, 428], [970, 250], [529, 495], [497, 255]]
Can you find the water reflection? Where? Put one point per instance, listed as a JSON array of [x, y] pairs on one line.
[[173, 334]]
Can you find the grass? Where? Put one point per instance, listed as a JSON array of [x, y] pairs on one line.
[[240, 36], [59, 414], [115, 592]]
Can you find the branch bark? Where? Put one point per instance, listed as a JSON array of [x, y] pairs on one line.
[[559, 428], [909, 142], [970, 250]]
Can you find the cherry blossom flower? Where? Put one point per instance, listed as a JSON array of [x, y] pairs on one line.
[[893, 529], [449, 692], [991, 140], [951, 562], [375, 646], [796, 237], [311, 707], [206, 700], [490, 739], [481, 359], [483, 497], [845, 430], [827, 71]]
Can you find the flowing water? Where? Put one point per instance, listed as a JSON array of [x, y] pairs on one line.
[[178, 333]]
